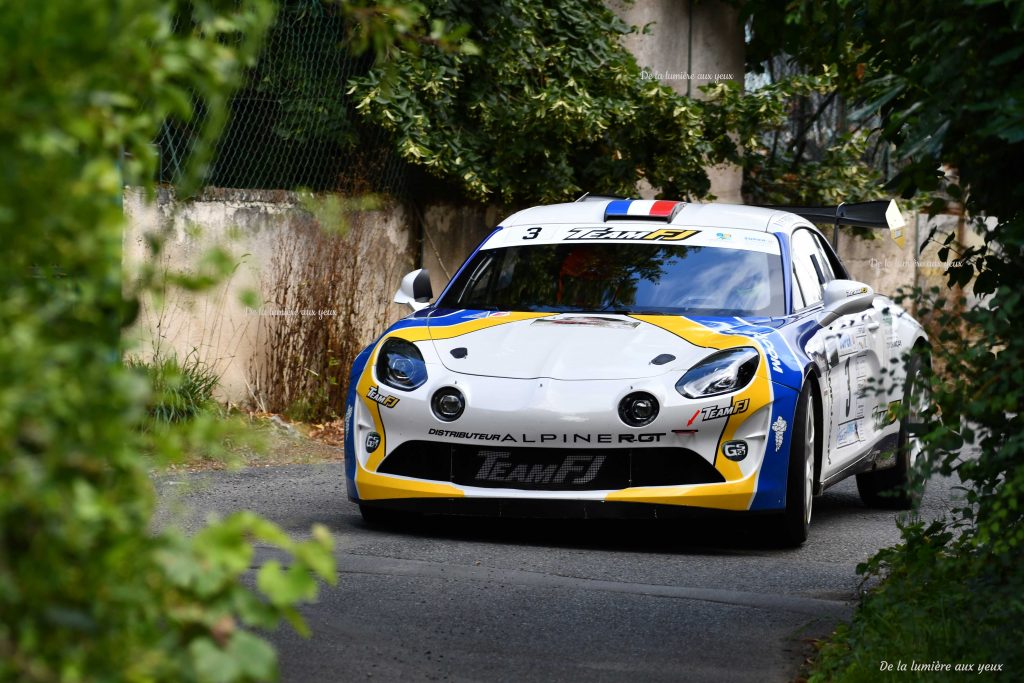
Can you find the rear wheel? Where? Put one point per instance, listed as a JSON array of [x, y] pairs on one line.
[[793, 524], [892, 487]]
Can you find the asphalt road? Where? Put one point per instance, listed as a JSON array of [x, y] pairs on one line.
[[541, 600]]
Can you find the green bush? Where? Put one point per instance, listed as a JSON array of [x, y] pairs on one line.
[[942, 84], [555, 105], [180, 390], [87, 591]]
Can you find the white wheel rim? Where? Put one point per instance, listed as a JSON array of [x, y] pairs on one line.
[[809, 461]]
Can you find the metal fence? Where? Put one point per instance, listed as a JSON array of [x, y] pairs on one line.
[[291, 124]]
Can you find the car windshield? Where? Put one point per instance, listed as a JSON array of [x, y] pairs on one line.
[[621, 278]]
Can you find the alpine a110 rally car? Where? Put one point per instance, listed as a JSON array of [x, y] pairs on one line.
[[629, 358]]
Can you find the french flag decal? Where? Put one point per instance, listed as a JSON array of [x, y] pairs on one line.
[[643, 209]]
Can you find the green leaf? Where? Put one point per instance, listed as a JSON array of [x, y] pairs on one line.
[[212, 664], [255, 657]]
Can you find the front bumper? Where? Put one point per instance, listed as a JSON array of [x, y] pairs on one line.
[[536, 445]]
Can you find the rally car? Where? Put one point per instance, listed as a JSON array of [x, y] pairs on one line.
[[616, 357]]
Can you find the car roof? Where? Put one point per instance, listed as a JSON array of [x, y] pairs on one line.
[[696, 215]]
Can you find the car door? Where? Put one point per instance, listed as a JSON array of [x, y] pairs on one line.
[[855, 354]]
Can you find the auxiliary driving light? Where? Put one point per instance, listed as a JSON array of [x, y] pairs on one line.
[[448, 404], [638, 409]]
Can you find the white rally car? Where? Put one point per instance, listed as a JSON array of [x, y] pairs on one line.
[[639, 358]]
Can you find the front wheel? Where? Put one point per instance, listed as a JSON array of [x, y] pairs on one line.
[[793, 524]]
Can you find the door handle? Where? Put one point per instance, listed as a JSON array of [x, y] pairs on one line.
[[872, 327]]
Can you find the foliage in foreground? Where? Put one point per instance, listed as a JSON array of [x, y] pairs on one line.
[[87, 592], [945, 82]]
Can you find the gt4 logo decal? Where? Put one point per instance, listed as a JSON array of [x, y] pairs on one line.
[[661, 235], [387, 401], [497, 467], [715, 412]]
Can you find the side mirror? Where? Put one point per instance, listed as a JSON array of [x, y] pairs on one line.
[[415, 290], [843, 297]]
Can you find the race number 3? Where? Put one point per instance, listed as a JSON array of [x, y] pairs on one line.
[[531, 233]]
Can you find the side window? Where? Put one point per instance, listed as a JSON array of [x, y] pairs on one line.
[[805, 267], [823, 261], [798, 297], [830, 257]]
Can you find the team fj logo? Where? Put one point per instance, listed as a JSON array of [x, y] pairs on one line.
[[575, 470], [715, 412], [387, 401], [662, 235], [779, 427]]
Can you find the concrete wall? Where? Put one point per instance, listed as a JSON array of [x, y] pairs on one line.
[[450, 232], [255, 228], [690, 44]]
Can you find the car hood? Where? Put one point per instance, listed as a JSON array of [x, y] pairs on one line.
[[571, 346]]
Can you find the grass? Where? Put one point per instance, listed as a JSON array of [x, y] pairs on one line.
[[940, 602], [182, 396], [180, 390]]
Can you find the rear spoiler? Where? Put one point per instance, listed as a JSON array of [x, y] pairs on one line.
[[879, 214]]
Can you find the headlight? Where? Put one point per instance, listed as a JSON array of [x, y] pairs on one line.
[[400, 365], [720, 373]]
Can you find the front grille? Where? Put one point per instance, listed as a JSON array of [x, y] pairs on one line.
[[549, 469]]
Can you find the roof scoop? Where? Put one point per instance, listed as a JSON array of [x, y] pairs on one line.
[[642, 210]]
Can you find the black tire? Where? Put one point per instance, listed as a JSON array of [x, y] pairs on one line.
[[792, 525], [892, 488]]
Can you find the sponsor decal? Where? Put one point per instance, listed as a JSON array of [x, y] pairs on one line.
[[574, 469], [723, 235], [695, 414], [735, 450], [855, 292], [846, 343], [499, 314], [383, 399], [715, 412], [372, 441], [661, 235], [648, 437], [773, 355], [848, 433], [894, 343], [779, 427]]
